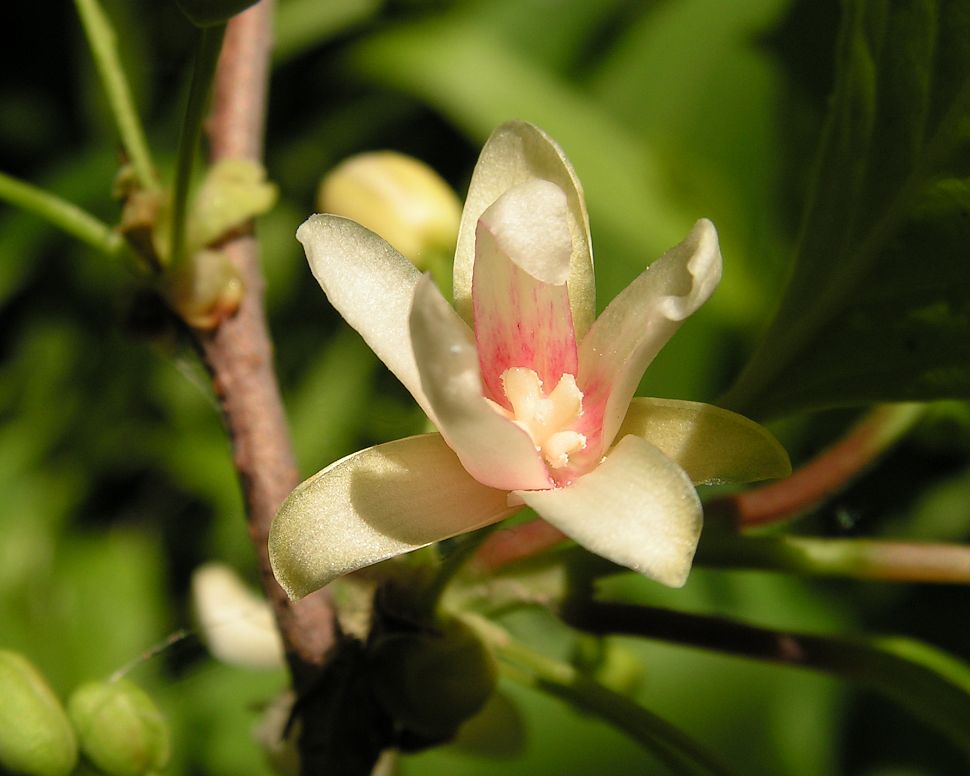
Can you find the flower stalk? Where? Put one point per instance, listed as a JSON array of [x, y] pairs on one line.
[[66, 216], [203, 71], [824, 475], [103, 42]]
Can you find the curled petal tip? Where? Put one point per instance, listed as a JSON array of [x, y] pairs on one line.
[[700, 253]]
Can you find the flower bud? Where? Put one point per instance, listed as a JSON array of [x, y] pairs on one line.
[[205, 289], [610, 663], [121, 730], [398, 197], [232, 192], [430, 683], [206, 13], [36, 738]]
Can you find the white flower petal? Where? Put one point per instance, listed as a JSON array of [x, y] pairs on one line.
[[516, 153], [637, 324], [529, 224], [637, 508], [494, 450], [711, 444], [373, 505], [237, 625], [371, 285], [522, 314]]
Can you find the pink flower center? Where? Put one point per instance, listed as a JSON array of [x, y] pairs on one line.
[[548, 418]]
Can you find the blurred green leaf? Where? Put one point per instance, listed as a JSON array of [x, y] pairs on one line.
[[878, 303], [479, 81], [303, 24], [329, 405]]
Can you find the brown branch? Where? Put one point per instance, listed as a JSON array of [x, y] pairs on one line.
[[239, 353]]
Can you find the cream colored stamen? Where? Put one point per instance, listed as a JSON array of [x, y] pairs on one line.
[[547, 418]]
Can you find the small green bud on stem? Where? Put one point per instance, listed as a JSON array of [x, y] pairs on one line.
[[430, 683], [205, 290], [121, 730], [36, 738]]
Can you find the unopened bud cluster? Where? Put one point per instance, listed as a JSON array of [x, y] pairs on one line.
[[115, 725]]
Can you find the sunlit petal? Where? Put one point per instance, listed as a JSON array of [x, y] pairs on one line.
[[373, 505], [371, 285], [711, 444], [516, 153], [637, 509], [492, 448], [522, 315], [236, 624], [635, 326]]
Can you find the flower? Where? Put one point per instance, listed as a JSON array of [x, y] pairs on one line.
[[533, 398]]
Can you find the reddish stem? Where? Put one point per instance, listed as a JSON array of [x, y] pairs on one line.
[[825, 474], [517, 543], [239, 353], [808, 486]]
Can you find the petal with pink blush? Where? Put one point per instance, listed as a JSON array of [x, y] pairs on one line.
[[373, 505], [493, 449], [636, 325], [637, 508], [522, 314], [371, 285], [517, 153]]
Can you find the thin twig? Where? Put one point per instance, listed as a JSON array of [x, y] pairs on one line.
[[932, 684], [516, 543], [808, 486], [867, 559], [826, 474], [239, 353], [103, 41], [65, 215], [207, 50]]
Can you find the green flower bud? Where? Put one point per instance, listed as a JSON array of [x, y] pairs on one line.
[[610, 663], [232, 192], [206, 13], [36, 738], [398, 197], [431, 683], [205, 289], [122, 731]]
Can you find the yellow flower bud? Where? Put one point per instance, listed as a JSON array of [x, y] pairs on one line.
[[122, 731], [36, 738], [398, 197]]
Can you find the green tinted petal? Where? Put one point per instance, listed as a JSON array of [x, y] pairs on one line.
[[712, 445]]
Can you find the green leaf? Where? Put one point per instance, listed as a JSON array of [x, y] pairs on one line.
[[302, 24], [877, 306]]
